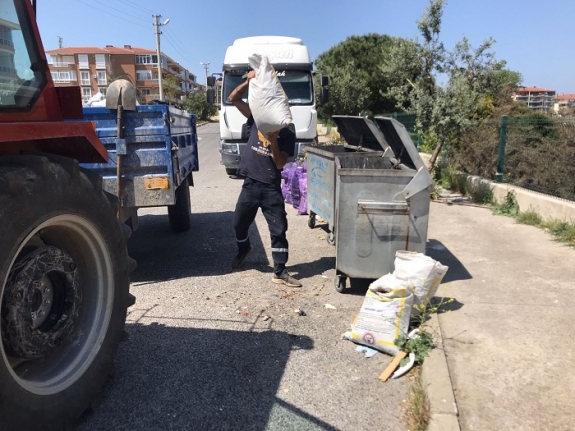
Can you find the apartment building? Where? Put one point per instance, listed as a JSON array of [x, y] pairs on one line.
[[536, 98], [94, 68], [564, 103], [8, 72]]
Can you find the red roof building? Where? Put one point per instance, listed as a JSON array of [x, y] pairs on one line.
[[536, 98], [93, 68]]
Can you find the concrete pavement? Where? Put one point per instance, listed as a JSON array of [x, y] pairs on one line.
[[508, 338]]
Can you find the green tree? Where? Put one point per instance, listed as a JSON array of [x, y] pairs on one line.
[[447, 90], [197, 103], [355, 76], [171, 88]]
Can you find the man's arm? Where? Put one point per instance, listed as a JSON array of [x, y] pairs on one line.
[[236, 95], [280, 157]]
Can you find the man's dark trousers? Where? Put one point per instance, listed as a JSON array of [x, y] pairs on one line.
[[256, 194]]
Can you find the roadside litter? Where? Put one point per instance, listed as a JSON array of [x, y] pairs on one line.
[[368, 351], [300, 311], [388, 306]]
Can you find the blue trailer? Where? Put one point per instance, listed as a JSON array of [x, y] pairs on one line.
[[159, 153]]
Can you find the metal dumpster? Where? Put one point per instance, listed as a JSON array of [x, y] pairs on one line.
[[321, 188], [376, 202]]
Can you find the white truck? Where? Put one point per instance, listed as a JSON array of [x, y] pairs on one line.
[[293, 65]]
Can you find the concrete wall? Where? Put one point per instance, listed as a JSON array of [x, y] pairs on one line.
[[548, 207]]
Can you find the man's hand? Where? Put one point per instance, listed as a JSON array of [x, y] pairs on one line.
[[236, 95], [280, 157], [273, 136]]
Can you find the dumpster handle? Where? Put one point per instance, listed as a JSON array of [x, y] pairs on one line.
[[373, 207]]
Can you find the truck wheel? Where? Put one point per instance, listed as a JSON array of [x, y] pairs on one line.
[[231, 172], [180, 213], [63, 289]]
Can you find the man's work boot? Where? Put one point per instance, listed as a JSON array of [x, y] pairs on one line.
[[241, 257], [287, 279]]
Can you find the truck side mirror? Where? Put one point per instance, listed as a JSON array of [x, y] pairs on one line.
[[211, 96], [211, 81], [324, 80], [324, 96]]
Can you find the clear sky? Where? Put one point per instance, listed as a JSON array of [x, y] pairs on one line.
[[535, 37]]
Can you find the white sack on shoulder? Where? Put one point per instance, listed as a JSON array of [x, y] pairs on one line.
[[268, 102]]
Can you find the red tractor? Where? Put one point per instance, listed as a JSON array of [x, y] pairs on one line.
[[64, 267]]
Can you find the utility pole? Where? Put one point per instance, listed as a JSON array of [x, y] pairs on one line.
[[207, 67], [157, 25], [60, 42]]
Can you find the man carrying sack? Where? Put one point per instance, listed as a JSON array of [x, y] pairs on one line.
[[261, 165]]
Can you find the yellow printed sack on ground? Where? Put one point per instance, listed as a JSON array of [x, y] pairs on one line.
[[384, 315]]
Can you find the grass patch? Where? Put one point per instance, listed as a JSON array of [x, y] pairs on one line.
[[508, 207], [562, 231], [530, 218], [416, 412], [482, 194]]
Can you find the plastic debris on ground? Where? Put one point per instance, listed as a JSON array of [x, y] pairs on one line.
[[300, 311], [368, 351]]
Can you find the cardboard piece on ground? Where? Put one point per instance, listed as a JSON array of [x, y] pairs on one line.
[[392, 366]]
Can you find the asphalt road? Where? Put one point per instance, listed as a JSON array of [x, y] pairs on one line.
[[200, 354]]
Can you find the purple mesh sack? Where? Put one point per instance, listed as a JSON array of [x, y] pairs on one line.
[[302, 209], [294, 186]]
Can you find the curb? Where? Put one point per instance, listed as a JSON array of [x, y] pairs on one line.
[[436, 380]]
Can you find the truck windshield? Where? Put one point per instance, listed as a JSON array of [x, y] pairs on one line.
[[297, 84]]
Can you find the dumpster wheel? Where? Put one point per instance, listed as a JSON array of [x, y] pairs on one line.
[[331, 238], [340, 282], [311, 220]]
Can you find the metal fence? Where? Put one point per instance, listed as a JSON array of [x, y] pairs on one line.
[[538, 153]]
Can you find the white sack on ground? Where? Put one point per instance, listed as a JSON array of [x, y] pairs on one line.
[[384, 315], [268, 102], [423, 272]]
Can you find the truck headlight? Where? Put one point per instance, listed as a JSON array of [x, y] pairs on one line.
[[231, 148]]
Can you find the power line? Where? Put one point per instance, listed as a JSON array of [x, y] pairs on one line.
[[111, 14], [170, 40], [169, 36], [137, 6], [121, 11]]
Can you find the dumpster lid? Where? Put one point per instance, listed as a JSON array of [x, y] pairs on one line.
[[360, 132], [397, 137]]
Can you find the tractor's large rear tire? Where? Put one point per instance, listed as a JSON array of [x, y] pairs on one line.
[[179, 214], [64, 291]]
